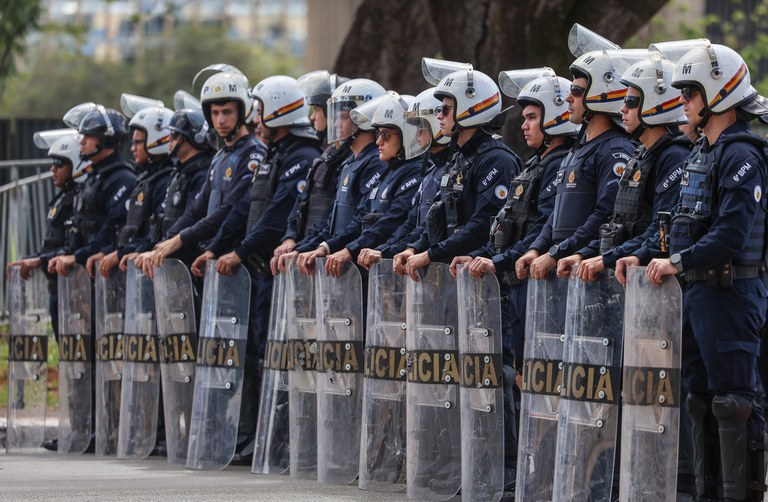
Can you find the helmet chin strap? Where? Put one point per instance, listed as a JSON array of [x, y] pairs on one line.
[[231, 136], [705, 113], [639, 130]]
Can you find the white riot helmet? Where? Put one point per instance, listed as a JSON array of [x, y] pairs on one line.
[[63, 146], [659, 101], [720, 74], [222, 88], [345, 98], [543, 88], [154, 121], [283, 103], [390, 113], [603, 70], [476, 95], [422, 129]]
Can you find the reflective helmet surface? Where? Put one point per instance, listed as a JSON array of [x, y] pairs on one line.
[[283, 103], [344, 99], [659, 101], [224, 87], [422, 129], [154, 122], [108, 125], [719, 73], [318, 86], [191, 124], [603, 69], [477, 97]]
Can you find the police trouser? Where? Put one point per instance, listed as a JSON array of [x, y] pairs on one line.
[[258, 326], [720, 348]]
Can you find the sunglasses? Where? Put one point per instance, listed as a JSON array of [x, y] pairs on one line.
[[687, 92], [385, 134], [137, 142], [444, 109], [631, 102], [175, 135], [577, 91], [58, 163]]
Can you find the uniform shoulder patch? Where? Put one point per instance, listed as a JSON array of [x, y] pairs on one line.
[[501, 192], [758, 193], [301, 186]]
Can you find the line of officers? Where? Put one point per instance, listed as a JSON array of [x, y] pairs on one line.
[[644, 157]]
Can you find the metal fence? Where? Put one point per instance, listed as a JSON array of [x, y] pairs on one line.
[[23, 210]]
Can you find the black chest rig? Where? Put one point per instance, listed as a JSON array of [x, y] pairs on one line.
[[140, 216], [698, 197], [521, 209], [225, 171], [87, 217], [178, 190], [321, 188], [59, 211]]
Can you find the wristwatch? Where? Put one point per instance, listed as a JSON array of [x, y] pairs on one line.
[[677, 261], [555, 252]]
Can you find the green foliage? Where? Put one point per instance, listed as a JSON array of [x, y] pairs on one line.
[[17, 19], [60, 76]]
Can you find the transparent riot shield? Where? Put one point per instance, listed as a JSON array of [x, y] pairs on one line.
[[177, 329], [339, 373], [271, 452], [650, 420], [302, 379], [110, 321], [75, 356], [29, 329], [383, 433], [141, 369], [589, 397], [433, 446], [219, 373], [542, 378], [482, 395]]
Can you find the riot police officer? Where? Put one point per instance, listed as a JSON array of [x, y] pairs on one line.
[[258, 221], [226, 101], [360, 173], [476, 179], [717, 246], [150, 149], [100, 206], [191, 152], [315, 200], [588, 178]]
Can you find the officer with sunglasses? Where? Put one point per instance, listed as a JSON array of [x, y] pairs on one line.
[[588, 178]]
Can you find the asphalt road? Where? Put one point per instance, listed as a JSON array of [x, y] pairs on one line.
[[46, 476]]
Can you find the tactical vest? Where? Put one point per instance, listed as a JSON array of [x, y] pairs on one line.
[[452, 185], [224, 170], [521, 210], [140, 205], [178, 191], [320, 190], [572, 208], [87, 217], [428, 190], [346, 199], [59, 211], [264, 182], [696, 200]]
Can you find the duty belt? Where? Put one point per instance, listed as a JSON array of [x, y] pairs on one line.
[[736, 271]]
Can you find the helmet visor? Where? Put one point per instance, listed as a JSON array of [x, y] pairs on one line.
[[130, 104], [340, 123], [435, 70], [75, 115], [582, 40], [418, 134], [512, 82], [46, 139], [183, 100]]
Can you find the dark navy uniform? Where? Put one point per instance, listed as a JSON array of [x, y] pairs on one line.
[[145, 207], [587, 183], [316, 198], [530, 202], [649, 184], [228, 180], [718, 231], [253, 228], [360, 174], [186, 182], [100, 208], [387, 208], [472, 190], [425, 196]]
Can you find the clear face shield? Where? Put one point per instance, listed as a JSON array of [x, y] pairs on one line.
[[130, 104], [676, 49], [75, 115], [434, 70], [418, 133], [45, 139], [512, 82], [211, 70], [340, 123], [183, 100], [582, 40]]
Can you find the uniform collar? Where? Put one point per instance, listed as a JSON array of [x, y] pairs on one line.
[[474, 142]]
